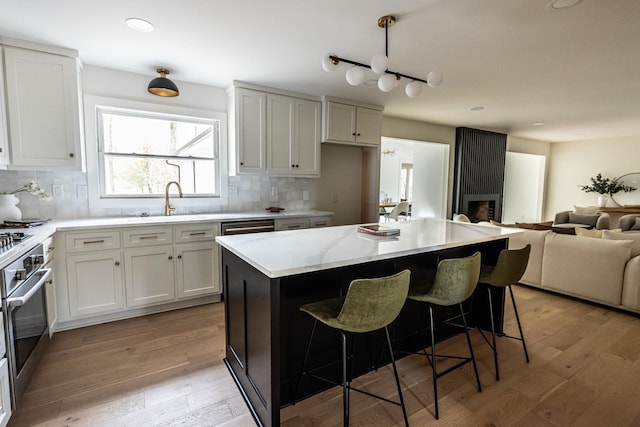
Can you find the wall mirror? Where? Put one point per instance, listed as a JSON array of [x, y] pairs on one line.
[[632, 198]]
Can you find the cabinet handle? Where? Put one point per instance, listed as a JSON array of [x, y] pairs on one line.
[[87, 242], [179, 256], [170, 257], [50, 249], [49, 282], [148, 237], [71, 155], [117, 263], [200, 233]]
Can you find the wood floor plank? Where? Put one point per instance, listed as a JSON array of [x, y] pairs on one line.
[[166, 370]]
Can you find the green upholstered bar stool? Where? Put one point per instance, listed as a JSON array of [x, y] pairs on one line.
[[455, 281], [369, 305], [508, 271]]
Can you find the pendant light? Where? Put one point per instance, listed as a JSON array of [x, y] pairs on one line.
[[387, 79], [162, 86]]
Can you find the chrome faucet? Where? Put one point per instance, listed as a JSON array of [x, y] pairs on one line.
[[167, 206]]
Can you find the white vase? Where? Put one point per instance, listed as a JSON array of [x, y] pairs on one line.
[[603, 199], [8, 208]]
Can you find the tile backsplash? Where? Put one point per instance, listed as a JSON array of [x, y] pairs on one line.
[[247, 193]]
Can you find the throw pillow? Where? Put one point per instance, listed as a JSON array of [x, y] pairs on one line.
[[590, 220], [585, 232], [585, 210], [635, 239], [461, 218], [636, 226]]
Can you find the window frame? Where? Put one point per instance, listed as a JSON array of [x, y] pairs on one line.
[[94, 159]]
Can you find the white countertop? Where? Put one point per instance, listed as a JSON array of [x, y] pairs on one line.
[[177, 219], [287, 253]]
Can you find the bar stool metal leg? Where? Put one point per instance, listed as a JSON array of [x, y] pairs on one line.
[[395, 373], [493, 336], [473, 357], [433, 361], [515, 310]]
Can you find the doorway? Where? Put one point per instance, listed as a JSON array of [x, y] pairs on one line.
[[416, 171]]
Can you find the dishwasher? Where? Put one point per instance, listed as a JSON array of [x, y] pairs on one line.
[[246, 227]]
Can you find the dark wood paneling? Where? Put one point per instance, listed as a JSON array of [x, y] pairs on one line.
[[479, 165]]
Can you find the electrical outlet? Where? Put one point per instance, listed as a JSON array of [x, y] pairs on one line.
[[233, 191], [57, 191], [81, 191]]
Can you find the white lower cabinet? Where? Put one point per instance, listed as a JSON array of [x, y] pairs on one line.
[[114, 270], [197, 269], [300, 223], [95, 282], [5, 397], [149, 275]]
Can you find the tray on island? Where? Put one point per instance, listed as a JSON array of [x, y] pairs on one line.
[[378, 230], [24, 223]]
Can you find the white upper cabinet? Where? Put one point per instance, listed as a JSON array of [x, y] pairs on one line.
[[351, 124], [293, 136], [43, 109], [274, 132], [250, 114]]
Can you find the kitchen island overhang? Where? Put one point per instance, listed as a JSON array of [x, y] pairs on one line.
[[267, 276]]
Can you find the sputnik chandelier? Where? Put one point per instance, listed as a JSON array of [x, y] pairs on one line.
[[388, 79]]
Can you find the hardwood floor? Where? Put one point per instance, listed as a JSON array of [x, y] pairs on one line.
[[167, 370]]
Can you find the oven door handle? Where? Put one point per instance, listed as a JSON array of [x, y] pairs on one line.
[[44, 274]]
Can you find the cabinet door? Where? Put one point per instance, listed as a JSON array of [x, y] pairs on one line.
[[280, 136], [197, 271], [307, 137], [251, 131], [4, 139], [43, 109], [95, 283], [341, 122], [149, 275], [320, 221], [368, 126]]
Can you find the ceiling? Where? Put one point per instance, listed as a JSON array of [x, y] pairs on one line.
[[576, 70]]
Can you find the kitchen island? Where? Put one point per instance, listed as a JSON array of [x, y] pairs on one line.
[[267, 276]]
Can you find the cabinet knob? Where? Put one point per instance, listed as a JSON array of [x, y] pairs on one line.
[[170, 257], [179, 256], [353, 134], [0, 149], [241, 163], [71, 155], [357, 134], [117, 263]]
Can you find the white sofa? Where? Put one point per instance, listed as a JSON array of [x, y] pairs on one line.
[[593, 269]]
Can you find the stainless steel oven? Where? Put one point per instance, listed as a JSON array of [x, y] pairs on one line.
[[24, 307]]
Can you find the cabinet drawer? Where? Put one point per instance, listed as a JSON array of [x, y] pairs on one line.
[[292, 224], [196, 233], [83, 242], [321, 221], [144, 236]]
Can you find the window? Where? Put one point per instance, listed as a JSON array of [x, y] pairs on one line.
[[139, 148], [406, 181]]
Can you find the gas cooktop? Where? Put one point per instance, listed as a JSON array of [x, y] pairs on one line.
[[10, 239]]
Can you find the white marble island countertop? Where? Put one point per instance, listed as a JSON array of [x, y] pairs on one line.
[[287, 253]]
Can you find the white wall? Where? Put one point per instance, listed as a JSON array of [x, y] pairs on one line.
[[572, 164]]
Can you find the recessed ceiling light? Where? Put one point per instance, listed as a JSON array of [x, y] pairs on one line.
[[477, 108], [139, 24], [537, 124], [563, 4]]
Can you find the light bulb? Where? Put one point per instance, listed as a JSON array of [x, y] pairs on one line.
[[434, 78], [355, 75], [329, 64], [413, 89], [379, 64], [387, 82]]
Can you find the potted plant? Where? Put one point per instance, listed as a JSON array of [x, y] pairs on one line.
[[605, 187]]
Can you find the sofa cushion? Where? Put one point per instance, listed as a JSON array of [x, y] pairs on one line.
[[461, 218], [636, 226], [588, 268], [635, 239], [585, 232], [586, 210], [589, 220], [532, 275]]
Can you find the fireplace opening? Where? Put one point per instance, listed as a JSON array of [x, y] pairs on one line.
[[481, 207]]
